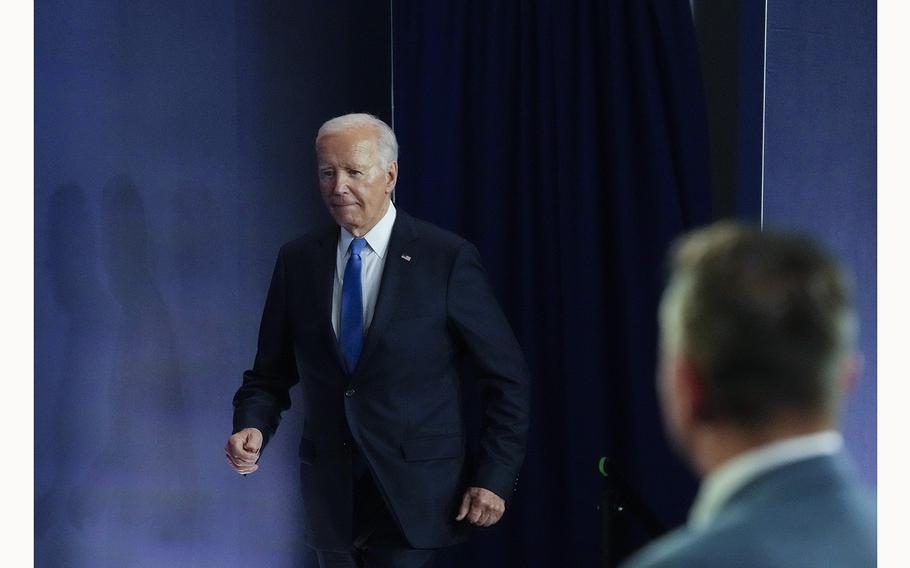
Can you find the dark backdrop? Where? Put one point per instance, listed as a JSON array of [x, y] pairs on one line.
[[173, 155], [568, 140]]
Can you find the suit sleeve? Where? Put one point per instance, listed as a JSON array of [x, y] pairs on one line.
[[263, 396], [479, 322]]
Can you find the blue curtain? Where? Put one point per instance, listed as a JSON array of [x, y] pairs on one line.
[[568, 141]]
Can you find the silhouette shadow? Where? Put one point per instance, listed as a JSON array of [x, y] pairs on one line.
[[147, 468], [74, 325]]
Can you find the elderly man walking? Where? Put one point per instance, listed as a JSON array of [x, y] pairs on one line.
[[372, 316]]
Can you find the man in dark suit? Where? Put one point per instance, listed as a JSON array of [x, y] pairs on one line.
[[372, 317], [757, 335]]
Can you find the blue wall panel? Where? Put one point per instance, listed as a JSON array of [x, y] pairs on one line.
[[819, 173], [173, 155]]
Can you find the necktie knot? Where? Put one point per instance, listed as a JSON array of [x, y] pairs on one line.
[[357, 246]]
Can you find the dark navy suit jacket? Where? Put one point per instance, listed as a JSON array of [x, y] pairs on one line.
[[401, 405], [812, 513]]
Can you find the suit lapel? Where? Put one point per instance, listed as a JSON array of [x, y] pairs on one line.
[[403, 233], [325, 287]]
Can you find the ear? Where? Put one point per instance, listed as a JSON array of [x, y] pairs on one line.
[[850, 372], [391, 176], [692, 391]]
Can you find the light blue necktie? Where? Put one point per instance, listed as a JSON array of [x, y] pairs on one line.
[[351, 336]]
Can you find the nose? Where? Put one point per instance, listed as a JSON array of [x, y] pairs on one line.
[[340, 186]]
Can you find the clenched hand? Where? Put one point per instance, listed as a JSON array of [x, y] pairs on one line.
[[481, 507], [242, 450]]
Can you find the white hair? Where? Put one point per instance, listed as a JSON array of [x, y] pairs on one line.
[[385, 137]]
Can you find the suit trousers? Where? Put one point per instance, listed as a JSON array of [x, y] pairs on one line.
[[377, 540]]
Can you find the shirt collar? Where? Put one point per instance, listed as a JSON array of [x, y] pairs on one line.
[[378, 237], [736, 473]]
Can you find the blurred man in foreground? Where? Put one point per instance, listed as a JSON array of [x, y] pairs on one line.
[[757, 352]]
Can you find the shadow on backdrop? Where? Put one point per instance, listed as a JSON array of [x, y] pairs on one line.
[[70, 425], [146, 473]]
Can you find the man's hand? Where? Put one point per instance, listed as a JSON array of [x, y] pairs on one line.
[[481, 507], [242, 450]]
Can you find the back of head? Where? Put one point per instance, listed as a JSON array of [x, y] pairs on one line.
[[764, 317]]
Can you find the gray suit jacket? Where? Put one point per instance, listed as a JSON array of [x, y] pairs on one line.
[[806, 514]]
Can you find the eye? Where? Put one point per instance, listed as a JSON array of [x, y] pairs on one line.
[[353, 172], [327, 172]]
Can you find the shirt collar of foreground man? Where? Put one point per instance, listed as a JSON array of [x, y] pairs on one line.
[[719, 486]]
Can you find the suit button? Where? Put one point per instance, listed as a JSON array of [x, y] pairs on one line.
[[349, 392]]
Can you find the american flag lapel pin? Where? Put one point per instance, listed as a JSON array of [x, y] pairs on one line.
[[406, 257]]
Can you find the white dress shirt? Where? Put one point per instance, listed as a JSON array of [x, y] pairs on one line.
[[372, 263], [733, 475]]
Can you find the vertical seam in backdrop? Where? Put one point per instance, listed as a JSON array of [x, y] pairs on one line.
[[392, 70], [764, 90]]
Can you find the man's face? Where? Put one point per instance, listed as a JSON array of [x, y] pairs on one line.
[[354, 185]]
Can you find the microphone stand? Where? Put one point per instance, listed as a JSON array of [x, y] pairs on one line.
[[619, 501]]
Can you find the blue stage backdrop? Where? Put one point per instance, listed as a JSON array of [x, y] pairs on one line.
[[568, 140], [173, 155], [819, 160]]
